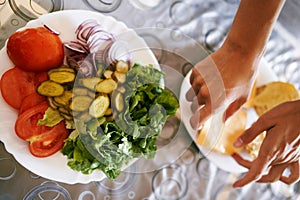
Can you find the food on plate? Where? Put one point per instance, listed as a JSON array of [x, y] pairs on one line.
[[50, 88], [262, 99], [30, 101], [114, 128], [18, 88], [96, 107], [16, 84], [267, 97], [43, 140], [272, 94], [222, 141], [49, 142], [35, 49], [253, 147]]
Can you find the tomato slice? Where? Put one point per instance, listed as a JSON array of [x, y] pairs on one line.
[[17, 84], [43, 141], [40, 77], [30, 101], [26, 123], [48, 142]]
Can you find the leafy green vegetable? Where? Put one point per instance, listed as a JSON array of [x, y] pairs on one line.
[[132, 134], [51, 118], [80, 159]]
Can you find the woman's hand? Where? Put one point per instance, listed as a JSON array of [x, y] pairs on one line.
[[222, 81], [280, 148]]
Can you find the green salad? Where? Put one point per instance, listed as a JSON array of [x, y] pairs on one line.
[[139, 114]]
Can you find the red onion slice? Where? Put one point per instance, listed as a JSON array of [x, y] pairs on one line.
[[90, 35], [51, 30], [119, 51], [87, 66], [83, 30], [102, 54], [99, 37], [98, 45], [77, 46], [87, 23]]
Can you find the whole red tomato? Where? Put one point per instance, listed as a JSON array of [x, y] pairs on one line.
[[35, 49]]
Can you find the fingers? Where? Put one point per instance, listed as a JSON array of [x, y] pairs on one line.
[[195, 73], [200, 116], [199, 95], [233, 107], [290, 157], [255, 172], [195, 105], [240, 160], [190, 95], [294, 174], [251, 133], [198, 90], [274, 173], [196, 82]]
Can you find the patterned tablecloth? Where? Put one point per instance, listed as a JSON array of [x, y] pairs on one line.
[[175, 30]]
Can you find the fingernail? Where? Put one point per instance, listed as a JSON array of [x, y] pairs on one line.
[[238, 143]]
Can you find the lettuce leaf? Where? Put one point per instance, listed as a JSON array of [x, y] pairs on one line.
[[51, 118], [134, 131]]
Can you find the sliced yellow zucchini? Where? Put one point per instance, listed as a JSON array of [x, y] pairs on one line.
[[99, 106], [51, 103], [63, 110], [107, 73], [108, 112], [62, 77], [50, 89], [64, 99], [118, 101], [121, 89], [90, 83], [101, 120], [80, 91], [80, 103], [119, 77], [106, 86], [66, 116], [83, 116], [122, 66], [63, 68]]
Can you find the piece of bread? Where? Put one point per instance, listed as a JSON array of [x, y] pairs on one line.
[[272, 94]]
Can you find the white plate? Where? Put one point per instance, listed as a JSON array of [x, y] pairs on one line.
[[55, 167], [225, 162]]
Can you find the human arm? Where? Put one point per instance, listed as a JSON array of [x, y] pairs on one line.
[[226, 76], [279, 150]]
